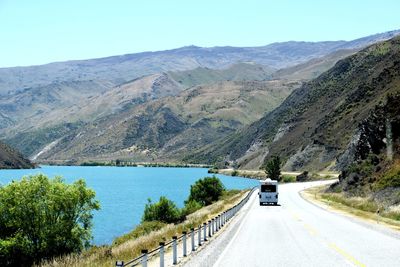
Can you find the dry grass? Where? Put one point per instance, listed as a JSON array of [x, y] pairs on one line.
[[364, 208], [107, 255]]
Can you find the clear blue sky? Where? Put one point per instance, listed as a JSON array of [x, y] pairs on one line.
[[42, 31]]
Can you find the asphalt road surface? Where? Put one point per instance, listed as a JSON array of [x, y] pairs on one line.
[[298, 233]]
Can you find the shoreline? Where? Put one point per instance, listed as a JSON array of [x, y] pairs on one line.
[[261, 175], [124, 164]]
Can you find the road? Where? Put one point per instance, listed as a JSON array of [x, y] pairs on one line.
[[298, 233]]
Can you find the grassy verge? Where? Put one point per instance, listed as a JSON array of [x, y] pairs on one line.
[[360, 207], [145, 236]]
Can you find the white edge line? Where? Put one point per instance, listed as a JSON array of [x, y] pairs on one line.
[[217, 263]]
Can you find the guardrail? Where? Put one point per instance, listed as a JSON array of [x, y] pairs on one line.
[[203, 233]]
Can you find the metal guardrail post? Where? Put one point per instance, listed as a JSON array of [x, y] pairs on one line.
[[192, 238], [144, 258], [162, 244], [184, 244], [209, 228], [219, 222], [119, 263], [174, 252], [205, 231], [212, 226], [199, 235]]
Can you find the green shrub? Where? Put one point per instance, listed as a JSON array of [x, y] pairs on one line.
[[207, 190], [235, 173], [43, 218], [164, 210], [288, 178], [190, 207], [389, 179]]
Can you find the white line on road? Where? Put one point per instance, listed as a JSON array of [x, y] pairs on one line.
[[221, 256]]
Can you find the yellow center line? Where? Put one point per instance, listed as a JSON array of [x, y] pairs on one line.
[[346, 255], [294, 215], [310, 229]]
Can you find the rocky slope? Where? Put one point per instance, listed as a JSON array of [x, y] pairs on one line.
[[375, 171], [11, 159], [169, 127], [315, 126]]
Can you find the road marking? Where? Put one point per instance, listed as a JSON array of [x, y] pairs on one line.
[[346, 255], [294, 215], [221, 256], [310, 229]]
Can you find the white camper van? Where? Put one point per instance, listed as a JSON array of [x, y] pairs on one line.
[[268, 192]]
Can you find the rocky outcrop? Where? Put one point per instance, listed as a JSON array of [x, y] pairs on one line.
[[11, 159]]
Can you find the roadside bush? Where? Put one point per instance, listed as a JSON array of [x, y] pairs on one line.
[[164, 210], [288, 178], [43, 218], [205, 191], [389, 179], [190, 207]]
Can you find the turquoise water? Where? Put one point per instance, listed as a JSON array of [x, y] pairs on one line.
[[123, 191]]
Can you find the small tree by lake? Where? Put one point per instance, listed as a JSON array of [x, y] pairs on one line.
[[273, 168], [206, 191], [164, 210]]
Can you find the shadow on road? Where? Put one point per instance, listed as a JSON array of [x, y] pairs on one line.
[[271, 205]]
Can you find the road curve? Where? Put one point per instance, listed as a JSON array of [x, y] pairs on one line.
[[298, 233]]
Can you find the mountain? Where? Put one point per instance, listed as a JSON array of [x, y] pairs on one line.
[[161, 128], [11, 159], [316, 125], [120, 69], [312, 68], [71, 102], [30, 106], [41, 118], [237, 72]]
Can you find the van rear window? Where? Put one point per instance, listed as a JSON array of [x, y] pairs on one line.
[[268, 188]]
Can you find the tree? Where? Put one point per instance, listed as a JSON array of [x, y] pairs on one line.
[[273, 168], [164, 210], [205, 191], [42, 218]]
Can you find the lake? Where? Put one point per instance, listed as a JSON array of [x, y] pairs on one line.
[[123, 191]]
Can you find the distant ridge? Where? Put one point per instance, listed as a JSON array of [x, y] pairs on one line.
[[122, 68]]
